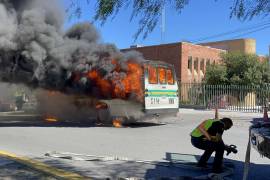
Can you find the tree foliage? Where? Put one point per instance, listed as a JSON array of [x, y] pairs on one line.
[[216, 74], [149, 11], [239, 68], [266, 71], [247, 9]]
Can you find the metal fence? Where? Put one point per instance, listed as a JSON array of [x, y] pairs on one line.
[[229, 97]]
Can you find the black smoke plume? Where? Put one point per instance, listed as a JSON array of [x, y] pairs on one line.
[[36, 52]]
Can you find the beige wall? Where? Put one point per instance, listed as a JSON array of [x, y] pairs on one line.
[[242, 45]]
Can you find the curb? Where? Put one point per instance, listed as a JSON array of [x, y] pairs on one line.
[[43, 168], [222, 112]]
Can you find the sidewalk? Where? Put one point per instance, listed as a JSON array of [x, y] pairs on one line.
[[222, 113], [10, 169]]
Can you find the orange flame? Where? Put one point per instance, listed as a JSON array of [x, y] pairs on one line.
[[49, 118], [103, 84], [170, 78], [122, 83], [162, 75], [117, 123], [152, 75], [101, 105]]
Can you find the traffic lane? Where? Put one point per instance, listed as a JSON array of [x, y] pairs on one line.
[[150, 142]]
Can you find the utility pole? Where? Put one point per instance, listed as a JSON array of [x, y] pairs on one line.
[[269, 57], [163, 23]]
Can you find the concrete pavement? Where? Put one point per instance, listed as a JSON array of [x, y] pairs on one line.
[[169, 135], [13, 170], [13, 166]]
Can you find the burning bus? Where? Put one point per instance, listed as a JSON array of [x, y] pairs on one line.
[[147, 89], [79, 74], [158, 95]]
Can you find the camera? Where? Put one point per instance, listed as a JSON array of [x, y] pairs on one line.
[[231, 149]]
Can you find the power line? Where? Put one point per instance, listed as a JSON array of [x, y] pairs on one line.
[[239, 30], [235, 31], [260, 29]]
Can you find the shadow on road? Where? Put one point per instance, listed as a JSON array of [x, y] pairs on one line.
[[176, 165], [38, 121], [144, 124], [186, 167], [98, 169]]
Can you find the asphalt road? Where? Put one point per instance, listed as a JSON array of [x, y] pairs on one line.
[[33, 138]]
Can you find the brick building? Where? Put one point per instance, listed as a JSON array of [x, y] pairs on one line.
[[190, 60]]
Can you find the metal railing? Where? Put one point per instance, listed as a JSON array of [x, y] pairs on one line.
[[229, 97]]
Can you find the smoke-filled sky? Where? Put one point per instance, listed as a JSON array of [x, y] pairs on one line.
[[35, 50]]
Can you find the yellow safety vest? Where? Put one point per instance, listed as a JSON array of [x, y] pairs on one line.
[[197, 133]]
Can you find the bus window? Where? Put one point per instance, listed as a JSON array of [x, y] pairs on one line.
[[162, 75], [170, 78], [152, 75]]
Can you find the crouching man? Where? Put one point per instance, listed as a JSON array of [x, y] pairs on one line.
[[208, 136]]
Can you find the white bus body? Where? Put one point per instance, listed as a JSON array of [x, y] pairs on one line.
[[161, 88]]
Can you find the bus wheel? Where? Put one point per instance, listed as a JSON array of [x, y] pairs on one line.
[[103, 114]]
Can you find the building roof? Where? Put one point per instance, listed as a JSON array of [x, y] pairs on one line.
[[169, 44]]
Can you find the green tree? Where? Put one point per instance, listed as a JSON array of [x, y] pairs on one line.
[[265, 68], [242, 68], [248, 9], [238, 68], [149, 11], [216, 74]]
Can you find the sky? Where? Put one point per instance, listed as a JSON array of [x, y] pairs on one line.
[[199, 19]]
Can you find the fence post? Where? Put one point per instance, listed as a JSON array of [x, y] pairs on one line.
[[203, 88]]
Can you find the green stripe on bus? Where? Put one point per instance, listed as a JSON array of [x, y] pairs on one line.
[[162, 95], [162, 91]]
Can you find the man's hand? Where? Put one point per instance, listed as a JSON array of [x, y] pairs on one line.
[[212, 138], [215, 138]]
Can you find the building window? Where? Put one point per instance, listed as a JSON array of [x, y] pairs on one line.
[[208, 63], [202, 65], [190, 63], [196, 64]]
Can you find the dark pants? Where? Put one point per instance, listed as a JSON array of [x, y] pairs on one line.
[[209, 148]]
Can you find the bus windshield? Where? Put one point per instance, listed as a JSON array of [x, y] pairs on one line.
[[152, 75], [162, 75], [170, 78]]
